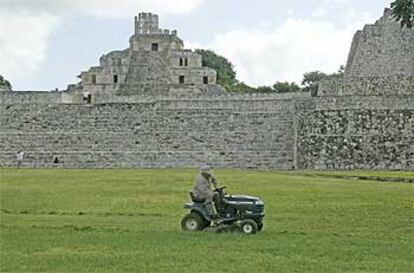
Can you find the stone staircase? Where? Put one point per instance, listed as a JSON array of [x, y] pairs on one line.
[[147, 75]]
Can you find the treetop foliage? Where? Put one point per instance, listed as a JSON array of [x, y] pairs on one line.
[[5, 83], [403, 11]]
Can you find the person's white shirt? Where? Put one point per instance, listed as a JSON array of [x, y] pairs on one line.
[[86, 94], [20, 155]]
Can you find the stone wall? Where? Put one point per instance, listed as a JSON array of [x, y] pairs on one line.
[[176, 133], [262, 131], [31, 97], [356, 133], [396, 85]]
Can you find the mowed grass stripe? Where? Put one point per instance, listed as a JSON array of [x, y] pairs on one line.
[[129, 221]]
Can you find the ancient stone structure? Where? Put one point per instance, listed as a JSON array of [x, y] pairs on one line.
[[380, 62], [156, 63], [148, 119], [366, 119], [381, 50]]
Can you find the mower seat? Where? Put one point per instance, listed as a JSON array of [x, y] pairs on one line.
[[196, 199]]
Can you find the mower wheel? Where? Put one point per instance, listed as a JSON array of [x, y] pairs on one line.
[[193, 222], [248, 226]]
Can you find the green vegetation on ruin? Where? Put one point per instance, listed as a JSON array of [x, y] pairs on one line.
[[4, 84], [403, 11], [128, 221]]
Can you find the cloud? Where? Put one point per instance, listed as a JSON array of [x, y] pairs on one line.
[[23, 42], [286, 52], [101, 7], [328, 6]]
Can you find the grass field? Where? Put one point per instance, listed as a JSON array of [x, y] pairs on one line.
[[129, 221]]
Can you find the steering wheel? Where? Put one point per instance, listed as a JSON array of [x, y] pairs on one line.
[[221, 188]]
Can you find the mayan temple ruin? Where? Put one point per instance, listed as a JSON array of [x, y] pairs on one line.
[[153, 105], [155, 64]]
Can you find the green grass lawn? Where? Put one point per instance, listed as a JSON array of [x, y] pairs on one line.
[[129, 221]]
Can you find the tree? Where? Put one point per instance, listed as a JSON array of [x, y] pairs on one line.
[[340, 72], [226, 76], [5, 84], [241, 87], [283, 87], [264, 89], [311, 80], [403, 11]]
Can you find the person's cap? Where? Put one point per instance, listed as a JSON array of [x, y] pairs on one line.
[[205, 169]]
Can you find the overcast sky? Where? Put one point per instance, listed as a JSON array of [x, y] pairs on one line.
[[44, 44]]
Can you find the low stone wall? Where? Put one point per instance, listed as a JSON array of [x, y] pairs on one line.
[[225, 98], [67, 97], [30, 97]]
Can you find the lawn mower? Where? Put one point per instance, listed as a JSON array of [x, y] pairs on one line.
[[236, 213]]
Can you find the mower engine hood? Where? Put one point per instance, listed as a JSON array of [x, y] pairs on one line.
[[242, 198]]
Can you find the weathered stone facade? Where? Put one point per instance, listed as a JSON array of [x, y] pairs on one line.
[[156, 63], [380, 62], [363, 121], [356, 132], [233, 132], [396, 85], [381, 50]]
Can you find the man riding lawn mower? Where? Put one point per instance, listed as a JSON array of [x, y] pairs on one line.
[[213, 210]]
